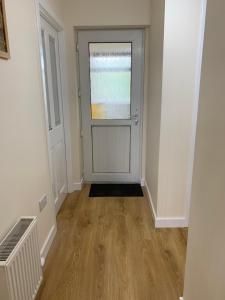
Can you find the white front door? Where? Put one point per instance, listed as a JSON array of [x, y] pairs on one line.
[[53, 96], [111, 86]]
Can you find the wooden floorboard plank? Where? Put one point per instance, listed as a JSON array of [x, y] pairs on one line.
[[108, 248]]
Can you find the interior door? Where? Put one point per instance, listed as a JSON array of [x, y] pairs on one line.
[[111, 69], [53, 97]]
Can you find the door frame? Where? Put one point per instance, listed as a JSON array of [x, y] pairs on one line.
[[143, 96], [44, 11]]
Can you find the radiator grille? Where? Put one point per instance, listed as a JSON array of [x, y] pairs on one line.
[[20, 262], [9, 244]]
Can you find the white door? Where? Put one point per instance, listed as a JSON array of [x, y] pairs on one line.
[[111, 75], [53, 97]]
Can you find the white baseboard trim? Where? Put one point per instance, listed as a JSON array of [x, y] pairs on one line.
[[142, 182], [76, 186], [47, 243], [165, 222], [170, 223], [60, 199], [150, 200]]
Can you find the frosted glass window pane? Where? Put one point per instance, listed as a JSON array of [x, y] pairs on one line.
[[45, 76], [54, 80], [110, 74]]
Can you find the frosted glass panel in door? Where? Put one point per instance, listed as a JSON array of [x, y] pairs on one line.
[[110, 75], [54, 80], [45, 76]]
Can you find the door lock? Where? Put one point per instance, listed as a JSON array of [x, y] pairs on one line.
[[135, 118]]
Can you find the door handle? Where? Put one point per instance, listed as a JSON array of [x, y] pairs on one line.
[[135, 118]]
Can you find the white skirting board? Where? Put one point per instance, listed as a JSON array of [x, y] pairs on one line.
[[76, 186], [170, 223], [150, 201], [47, 244], [165, 222], [60, 199], [142, 182]]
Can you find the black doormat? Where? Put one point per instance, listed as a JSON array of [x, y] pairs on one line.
[[116, 190]]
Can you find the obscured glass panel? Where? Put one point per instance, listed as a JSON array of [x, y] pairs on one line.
[[45, 76], [54, 80], [110, 74]]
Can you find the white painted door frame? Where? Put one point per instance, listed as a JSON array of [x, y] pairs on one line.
[[43, 10]]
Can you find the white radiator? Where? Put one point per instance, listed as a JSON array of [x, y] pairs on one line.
[[20, 264]]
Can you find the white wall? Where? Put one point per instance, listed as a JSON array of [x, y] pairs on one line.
[[94, 13], [24, 171], [169, 161], [181, 40], [205, 270], [56, 6], [106, 12], [155, 97]]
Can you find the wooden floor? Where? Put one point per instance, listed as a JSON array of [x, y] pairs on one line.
[[107, 248]]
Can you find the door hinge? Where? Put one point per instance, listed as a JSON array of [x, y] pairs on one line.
[[77, 47], [81, 133], [79, 93]]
